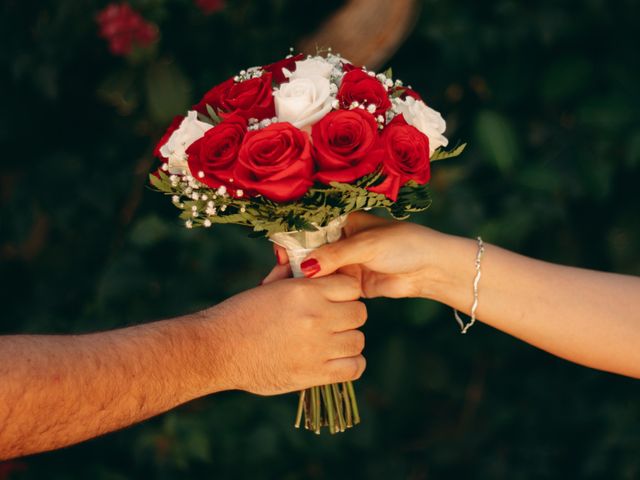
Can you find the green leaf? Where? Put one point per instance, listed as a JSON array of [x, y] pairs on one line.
[[397, 92], [156, 182], [214, 116], [441, 154]]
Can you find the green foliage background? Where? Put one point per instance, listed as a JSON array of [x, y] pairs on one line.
[[546, 94]]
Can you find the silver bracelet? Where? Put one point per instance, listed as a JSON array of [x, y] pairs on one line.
[[476, 280]]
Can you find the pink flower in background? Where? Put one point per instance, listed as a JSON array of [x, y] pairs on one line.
[[123, 28], [210, 6], [9, 467]]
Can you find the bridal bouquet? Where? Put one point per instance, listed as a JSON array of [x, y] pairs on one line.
[[290, 149]]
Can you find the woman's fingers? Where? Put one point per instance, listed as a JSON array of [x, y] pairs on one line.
[[359, 249], [281, 254], [357, 222], [361, 221]]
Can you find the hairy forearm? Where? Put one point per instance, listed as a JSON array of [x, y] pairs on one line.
[[589, 317], [59, 390]]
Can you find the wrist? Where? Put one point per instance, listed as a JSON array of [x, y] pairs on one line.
[[209, 353], [448, 270]]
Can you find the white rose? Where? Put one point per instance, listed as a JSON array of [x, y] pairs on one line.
[[303, 101], [425, 119], [311, 67], [190, 130]]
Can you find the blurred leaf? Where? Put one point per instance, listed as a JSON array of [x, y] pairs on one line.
[[497, 138], [633, 150], [608, 112], [168, 91], [149, 230], [120, 90], [566, 79]]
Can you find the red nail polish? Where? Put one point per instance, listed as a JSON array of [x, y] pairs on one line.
[[310, 267]]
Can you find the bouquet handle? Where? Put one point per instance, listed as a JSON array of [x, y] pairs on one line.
[[333, 406]]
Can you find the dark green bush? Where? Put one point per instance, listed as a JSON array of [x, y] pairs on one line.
[[546, 94]]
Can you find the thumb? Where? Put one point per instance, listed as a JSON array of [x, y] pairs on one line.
[[358, 249]]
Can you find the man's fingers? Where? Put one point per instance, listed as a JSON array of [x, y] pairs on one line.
[[358, 249], [345, 369], [339, 288], [279, 272], [346, 344], [347, 316]]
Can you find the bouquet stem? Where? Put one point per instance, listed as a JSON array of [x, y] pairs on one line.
[[333, 406]]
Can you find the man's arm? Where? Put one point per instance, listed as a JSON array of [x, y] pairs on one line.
[[60, 390]]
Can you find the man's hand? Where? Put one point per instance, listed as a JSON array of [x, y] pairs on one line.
[[292, 334], [60, 390]]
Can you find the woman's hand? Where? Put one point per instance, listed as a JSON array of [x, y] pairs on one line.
[[390, 258], [588, 317]]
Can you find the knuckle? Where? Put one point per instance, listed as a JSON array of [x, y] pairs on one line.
[[327, 250], [301, 293], [367, 240], [308, 322], [298, 289]]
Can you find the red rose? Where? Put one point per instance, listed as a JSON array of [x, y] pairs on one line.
[[359, 86], [249, 98], [276, 162], [348, 67], [215, 154], [210, 6], [165, 138], [404, 153], [342, 143], [276, 68], [123, 28]]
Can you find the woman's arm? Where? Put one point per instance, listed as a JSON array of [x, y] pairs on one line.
[[588, 317], [60, 390], [591, 318]]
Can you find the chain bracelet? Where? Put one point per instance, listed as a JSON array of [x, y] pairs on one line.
[[476, 280]]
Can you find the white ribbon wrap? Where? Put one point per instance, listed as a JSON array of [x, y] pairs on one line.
[[301, 243]]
